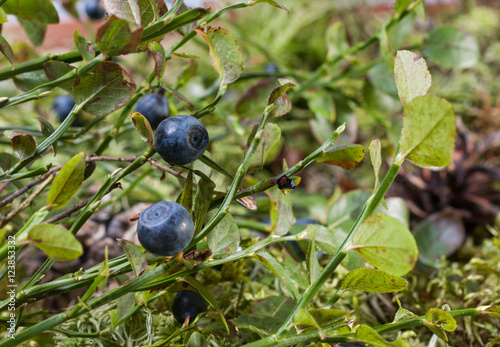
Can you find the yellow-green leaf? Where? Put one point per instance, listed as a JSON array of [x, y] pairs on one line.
[[58, 243], [67, 182]]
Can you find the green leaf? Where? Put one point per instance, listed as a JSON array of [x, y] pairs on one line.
[[104, 90], [136, 258], [158, 54], [278, 97], [319, 318], [412, 76], [224, 239], [41, 11], [346, 156], [462, 49], [84, 47], [312, 263], [250, 103], [279, 271], [29, 80], [397, 208], [281, 214], [189, 105], [127, 10], [202, 201], [386, 244], [187, 193], [373, 281], [56, 69], [125, 304], [151, 11], [269, 137], [326, 239], [3, 16], [403, 314], [440, 234], [196, 339], [345, 210], [58, 243], [143, 127], [23, 144], [67, 182], [270, 2], [401, 5], [225, 53], [385, 49], [367, 335], [208, 296], [34, 30], [439, 321], [376, 158], [47, 129], [6, 50], [428, 134], [336, 41], [298, 273], [117, 36]]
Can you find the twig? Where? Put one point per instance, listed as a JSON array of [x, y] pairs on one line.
[[68, 212], [27, 187], [26, 202]]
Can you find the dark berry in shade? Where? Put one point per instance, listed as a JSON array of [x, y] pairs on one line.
[[165, 228], [181, 139], [187, 303], [154, 107], [94, 9], [62, 106], [271, 68]]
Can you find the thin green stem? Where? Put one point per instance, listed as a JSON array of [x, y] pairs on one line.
[[330, 268], [238, 178]]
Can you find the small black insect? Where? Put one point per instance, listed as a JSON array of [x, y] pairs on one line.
[[285, 183]]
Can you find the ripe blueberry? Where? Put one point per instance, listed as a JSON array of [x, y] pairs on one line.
[[94, 9], [165, 228], [62, 106], [154, 107], [180, 139], [188, 304]]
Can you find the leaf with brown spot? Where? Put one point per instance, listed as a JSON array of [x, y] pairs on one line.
[[117, 36], [23, 144], [346, 156], [104, 90], [56, 69], [373, 281]]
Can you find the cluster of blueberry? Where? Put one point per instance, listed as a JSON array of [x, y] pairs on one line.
[[165, 228]]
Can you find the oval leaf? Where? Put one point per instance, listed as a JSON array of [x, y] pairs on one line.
[[23, 144], [225, 53], [367, 335], [412, 76], [117, 36], [55, 241], [373, 281], [345, 156], [143, 128], [319, 317], [107, 89], [386, 244], [158, 54], [6, 50], [67, 182], [279, 98], [462, 50], [428, 134], [47, 129], [84, 47], [56, 69], [224, 239], [268, 139], [134, 255], [41, 11]]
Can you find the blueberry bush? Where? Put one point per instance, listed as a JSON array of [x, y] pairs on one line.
[[235, 130]]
